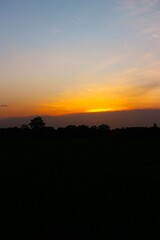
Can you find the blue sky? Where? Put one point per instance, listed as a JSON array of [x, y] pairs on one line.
[[68, 56]]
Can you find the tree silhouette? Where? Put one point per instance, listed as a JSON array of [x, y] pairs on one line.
[[24, 126], [37, 123], [104, 127]]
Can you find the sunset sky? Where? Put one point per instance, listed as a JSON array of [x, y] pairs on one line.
[[73, 56]]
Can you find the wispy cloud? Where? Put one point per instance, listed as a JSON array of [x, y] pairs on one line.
[[143, 14], [155, 35], [141, 90], [142, 18], [3, 106], [137, 7]]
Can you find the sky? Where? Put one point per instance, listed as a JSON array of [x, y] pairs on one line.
[[62, 57]]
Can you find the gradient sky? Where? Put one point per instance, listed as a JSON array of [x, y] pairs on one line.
[[71, 56]]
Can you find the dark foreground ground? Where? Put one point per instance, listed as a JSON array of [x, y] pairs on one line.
[[76, 188]]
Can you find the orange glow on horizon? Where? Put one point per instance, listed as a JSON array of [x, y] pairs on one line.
[[97, 100], [86, 102], [100, 110], [90, 99]]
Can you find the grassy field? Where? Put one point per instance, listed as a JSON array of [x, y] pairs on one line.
[[99, 188]]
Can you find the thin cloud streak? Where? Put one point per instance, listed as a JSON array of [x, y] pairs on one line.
[[3, 106], [143, 15], [139, 7]]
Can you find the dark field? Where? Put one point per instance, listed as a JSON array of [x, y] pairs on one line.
[[76, 188]]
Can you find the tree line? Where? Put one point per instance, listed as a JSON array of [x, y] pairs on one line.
[[37, 127]]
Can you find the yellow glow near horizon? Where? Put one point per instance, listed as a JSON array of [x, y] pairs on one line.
[[87, 101], [94, 99], [100, 110], [90, 99]]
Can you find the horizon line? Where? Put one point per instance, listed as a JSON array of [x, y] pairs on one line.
[[92, 111]]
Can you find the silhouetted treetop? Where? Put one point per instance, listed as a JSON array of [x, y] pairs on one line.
[[24, 126], [37, 123], [104, 127]]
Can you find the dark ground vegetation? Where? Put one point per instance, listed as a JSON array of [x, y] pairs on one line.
[[78, 183]]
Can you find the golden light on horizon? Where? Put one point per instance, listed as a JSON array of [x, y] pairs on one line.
[[94, 110], [87, 101], [91, 99]]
